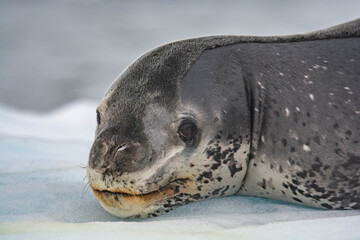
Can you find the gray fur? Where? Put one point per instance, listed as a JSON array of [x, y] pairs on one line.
[[215, 79]]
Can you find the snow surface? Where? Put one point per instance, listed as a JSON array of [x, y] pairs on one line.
[[43, 193]]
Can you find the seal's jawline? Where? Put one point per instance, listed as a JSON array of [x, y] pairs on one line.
[[123, 194]]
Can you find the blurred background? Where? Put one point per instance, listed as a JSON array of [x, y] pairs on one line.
[[56, 52]]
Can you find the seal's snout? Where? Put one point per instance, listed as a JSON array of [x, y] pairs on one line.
[[114, 154], [101, 154]]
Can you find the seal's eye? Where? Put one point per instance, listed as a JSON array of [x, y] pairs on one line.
[[98, 117], [187, 131]]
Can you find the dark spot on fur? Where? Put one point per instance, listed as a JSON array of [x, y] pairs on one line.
[[215, 166], [348, 132], [316, 167], [326, 205], [336, 125], [293, 188], [263, 184], [302, 174], [223, 191], [233, 169], [207, 175], [280, 169], [219, 179], [311, 173], [296, 199], [296, 182], [216, 192], [352, 162], [317, 139], [338, 151], [292, 149], [284, 142], [317, 188]]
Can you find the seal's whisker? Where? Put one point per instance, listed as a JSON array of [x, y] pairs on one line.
[[86, 187], [92, 128]]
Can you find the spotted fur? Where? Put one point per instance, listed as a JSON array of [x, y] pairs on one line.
[[275, 117]]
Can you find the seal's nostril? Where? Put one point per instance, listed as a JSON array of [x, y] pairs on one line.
[[122, 148]]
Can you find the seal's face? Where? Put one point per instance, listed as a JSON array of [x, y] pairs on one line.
[[175, 160], [157, 147]]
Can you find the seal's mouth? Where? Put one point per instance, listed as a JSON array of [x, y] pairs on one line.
[[164, 192], [153, 203]]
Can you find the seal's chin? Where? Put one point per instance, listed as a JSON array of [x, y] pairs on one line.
[[144, 205]]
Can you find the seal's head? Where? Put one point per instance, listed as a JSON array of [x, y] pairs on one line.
[[165, 139]]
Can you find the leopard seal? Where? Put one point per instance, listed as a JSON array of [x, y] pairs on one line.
[[274, 117]]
